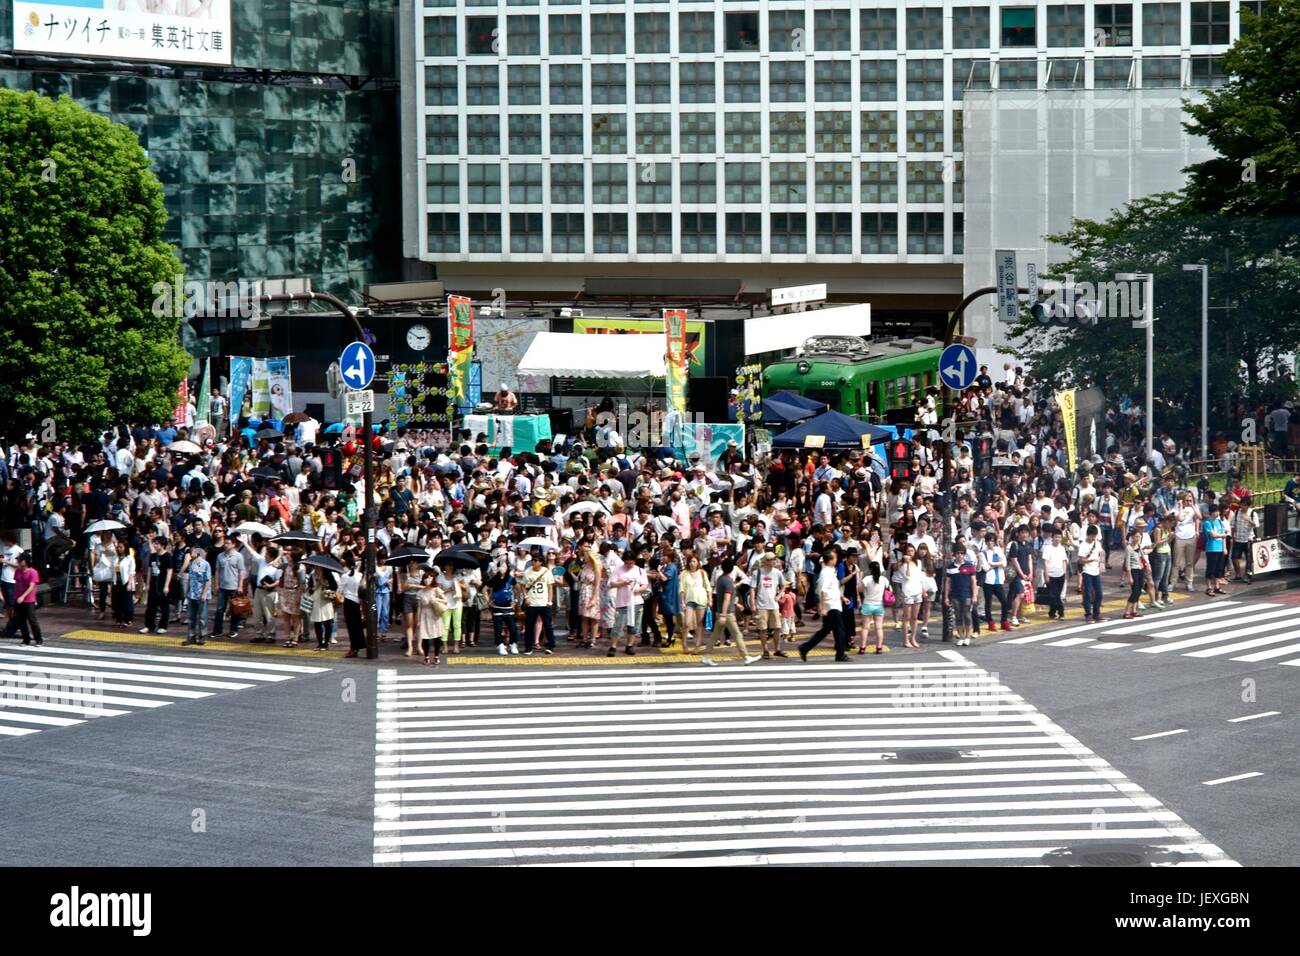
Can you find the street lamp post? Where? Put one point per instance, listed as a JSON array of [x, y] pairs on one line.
[[1149, 323], [1205, 353]]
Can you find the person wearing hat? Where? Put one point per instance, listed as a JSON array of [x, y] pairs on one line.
[[768, 582]]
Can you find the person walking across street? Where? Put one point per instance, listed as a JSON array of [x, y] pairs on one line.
[[1091, 556], [830, 602], [1055, 564], [159, 572], [26, 578], [230, 575], [724, 614]]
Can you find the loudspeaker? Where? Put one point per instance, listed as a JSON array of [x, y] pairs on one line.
[[1274, 520], [707, 396], [561, 420]]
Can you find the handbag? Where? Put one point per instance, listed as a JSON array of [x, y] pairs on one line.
[[241, 605], [708, 619], [889, 599]]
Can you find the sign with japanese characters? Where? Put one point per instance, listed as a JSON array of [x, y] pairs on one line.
[[165, 31]]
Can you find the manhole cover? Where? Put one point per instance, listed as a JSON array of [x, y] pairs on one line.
[[935, 755], [1126, 638], [1111, 855]]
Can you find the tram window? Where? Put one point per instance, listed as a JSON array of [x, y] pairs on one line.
[[873, 399], [889, 394], [901, 391], [828, 395], [915, 382]]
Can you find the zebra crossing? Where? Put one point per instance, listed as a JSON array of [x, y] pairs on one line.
[[1249, 633], [45, 688], [929, 763]]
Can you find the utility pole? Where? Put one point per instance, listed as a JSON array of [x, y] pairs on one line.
[[1205, 353], [368, 506], [1149, 324]]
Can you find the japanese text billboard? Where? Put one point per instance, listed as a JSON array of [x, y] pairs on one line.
[[165, 31], [695, 334]]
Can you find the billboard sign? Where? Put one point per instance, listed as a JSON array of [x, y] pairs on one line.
[[156, 31], [695, 334]]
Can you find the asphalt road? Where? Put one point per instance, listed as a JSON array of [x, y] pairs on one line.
[[285, 773]]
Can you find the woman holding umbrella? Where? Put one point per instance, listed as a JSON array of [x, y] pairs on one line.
[[454, 591], [433, 617], [321, 601]]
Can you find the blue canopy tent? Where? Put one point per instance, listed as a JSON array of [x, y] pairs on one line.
[[783, 408], [799, 401], [836, 431]]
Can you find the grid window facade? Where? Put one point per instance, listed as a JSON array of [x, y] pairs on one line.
[[566, 84], [441, 134], [970, 28], [925, 131], [744, 183], [788, 132], [1160, 24], [482, 36], [565, 34], [788, 183], [608, 33], [699, 233], [696, 83], [833, 132], [443, 229], [743, 133], [744, 233], [925, 233], [654, 232], [879, 80], [925, 182], [484, 232], [1018, 74], [1065, 25], [924, 80], [971, 75], [524, 84], [652, 34], [608, 84], [1208, 71], [483, 86], [789, 233], [742, 83], [699, 133], [568, 232], [1112, 72], [566, 134], [526, 133], [568, 184], [925, 28], [526, 184], [484, 184], [483, 132], [1112, 24], [524, 35], [880, 131], [440, 86], [786, 82], [833, 81], [1065, 73], [439, 36], [1211, 23], [442, 184], [1019, 28], [834, 233], [834, 182], [878, 29], [833, 30], [699, 182], [879, 233], [740, 31], [654, 184], [1162, 71], [609, 133], [609, 183], [654, 82], [609, 232], [695, 31], [879, 182], [786, 32]]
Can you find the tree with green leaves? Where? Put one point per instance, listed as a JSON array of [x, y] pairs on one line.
[[1239, 214], [82, 344]]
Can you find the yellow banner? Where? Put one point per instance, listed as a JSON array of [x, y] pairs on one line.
[[1065, 399]]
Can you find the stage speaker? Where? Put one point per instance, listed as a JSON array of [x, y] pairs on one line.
[[1274, 520], [561, 420], [708, 397]]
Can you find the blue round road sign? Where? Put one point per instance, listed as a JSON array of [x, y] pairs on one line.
[[357, 365], [957, 366]]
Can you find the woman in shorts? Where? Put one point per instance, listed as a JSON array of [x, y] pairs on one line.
[[695, 594], [411, 583], [872, 589], [913, 583]]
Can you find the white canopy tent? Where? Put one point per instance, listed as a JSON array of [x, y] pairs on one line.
[[790, 330], [579, 355]]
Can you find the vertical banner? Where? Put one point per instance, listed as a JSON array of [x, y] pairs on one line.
[[261, 389], [241, 371], [279, 384], [203, 407], [676, 359], [1065, 400], [182, 399], [460, 335]]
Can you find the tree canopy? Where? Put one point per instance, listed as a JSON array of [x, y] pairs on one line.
[[81, 251]]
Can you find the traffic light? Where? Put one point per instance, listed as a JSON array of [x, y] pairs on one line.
[[900, 459], [208, 326], [982, 452]]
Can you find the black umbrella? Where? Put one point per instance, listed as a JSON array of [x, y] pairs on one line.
[[270, 433], [535, 521], [469, 551], [291, 537], [325, 561], [405, 554], [267, 474], [460, 560]]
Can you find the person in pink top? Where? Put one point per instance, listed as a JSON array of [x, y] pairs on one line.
[[629, 585], [26, 578]]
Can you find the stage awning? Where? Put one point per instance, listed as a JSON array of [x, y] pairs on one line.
[[582, 355]]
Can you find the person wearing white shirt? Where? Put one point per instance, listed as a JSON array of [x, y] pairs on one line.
[[1187, 524], [1055, 563]]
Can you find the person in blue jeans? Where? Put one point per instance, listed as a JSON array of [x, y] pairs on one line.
[[1215, 530], [1091, 557], [198, 592], [383, 591]]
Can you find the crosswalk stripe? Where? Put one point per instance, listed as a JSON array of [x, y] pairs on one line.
[[1291, 635], [1163, 616], [1268, 655], [47, 688], [206, 671], [1274, 619], [1216, 638], [893, 764], [1070, 642]]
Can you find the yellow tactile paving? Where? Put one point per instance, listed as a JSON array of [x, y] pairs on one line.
[[307, 652]]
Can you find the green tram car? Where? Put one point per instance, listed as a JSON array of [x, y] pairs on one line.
[[859, 377]]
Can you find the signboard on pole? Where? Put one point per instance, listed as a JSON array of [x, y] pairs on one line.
[[1004, 264], [795, 294], [359, 402], [676, 360], [460, 320], [1065, 401], [1031, 281]]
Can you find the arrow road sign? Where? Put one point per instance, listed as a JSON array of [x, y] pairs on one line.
[[357, 364], [957, 366]]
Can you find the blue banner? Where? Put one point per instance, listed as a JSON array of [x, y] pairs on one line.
[[241, 370], [707, 442]]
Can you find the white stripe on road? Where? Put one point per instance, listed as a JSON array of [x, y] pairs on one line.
[[1164, 616], [17, 731], [1291, 635], [1163, 733], [1070, 642], [1233, 779], [149, 668], [1267, 713], [33, 677], [182, 656], [1276, 619], [85, 710], [1267, 655], [1206, 639], [141, 678]]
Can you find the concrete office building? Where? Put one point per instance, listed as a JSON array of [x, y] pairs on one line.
[[672, 146]]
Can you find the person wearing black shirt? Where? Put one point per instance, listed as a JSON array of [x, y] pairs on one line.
[[159, 568]]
